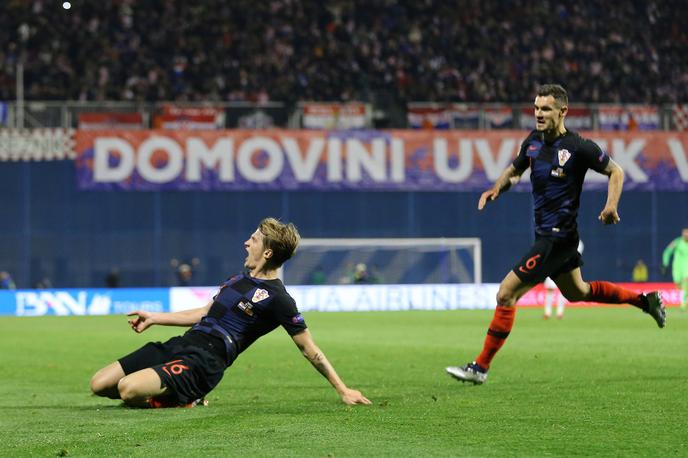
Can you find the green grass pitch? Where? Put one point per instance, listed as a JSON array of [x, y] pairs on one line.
[[602, 382]]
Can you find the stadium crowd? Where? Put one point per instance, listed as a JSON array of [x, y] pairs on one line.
[[339, 50]]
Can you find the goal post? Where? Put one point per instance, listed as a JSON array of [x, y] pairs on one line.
[[334, 261]]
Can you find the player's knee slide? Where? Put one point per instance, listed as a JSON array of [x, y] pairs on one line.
[[99, 385], [96, 385], [127, 390]]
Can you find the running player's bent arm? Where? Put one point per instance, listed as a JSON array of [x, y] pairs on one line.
[[310, 350], [145, 319], [506, 180], [615, 173]]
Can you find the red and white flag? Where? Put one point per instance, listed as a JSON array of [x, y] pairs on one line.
[[681, 117]]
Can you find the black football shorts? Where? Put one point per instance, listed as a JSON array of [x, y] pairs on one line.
[[548, 257], [188, 366]]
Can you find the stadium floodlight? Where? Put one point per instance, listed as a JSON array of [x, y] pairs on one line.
[[385, 260]]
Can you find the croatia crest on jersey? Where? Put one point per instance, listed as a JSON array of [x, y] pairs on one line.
[[564, 156], [259, 295]]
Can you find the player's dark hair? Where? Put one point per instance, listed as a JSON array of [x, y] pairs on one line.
[[561, 97], [281, 238]]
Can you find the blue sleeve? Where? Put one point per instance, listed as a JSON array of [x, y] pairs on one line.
[[522, 161], [288, 316], [595, 158]]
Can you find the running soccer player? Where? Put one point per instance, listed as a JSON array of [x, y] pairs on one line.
[[558, 161], [181, 371], [678, 248]]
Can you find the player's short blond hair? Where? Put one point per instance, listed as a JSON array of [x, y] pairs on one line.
[[561, 97], [281, 238]]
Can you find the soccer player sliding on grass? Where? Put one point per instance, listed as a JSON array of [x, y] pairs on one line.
[[558, 160], [181, 371]]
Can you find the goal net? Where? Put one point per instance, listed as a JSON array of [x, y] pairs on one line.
[[385, 261]]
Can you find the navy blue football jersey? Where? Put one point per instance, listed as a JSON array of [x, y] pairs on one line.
[[247, 308], [557, 171]]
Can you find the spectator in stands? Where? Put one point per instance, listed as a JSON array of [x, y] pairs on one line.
[[318, 276], [361, 274], [364, 275], [184, 271], [43, 283], [640, 273], [6, 281], [112, 279], [341, 50]]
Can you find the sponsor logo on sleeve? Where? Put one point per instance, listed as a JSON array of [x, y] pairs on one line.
[[533, 150]]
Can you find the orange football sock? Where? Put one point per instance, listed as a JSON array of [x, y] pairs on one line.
[[499, 330], [609, 293]]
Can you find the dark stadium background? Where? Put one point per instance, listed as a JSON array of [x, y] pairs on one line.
[[381, 52]]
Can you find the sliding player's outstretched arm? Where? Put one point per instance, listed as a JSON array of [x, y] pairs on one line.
[[144, 319], [317, 358]]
